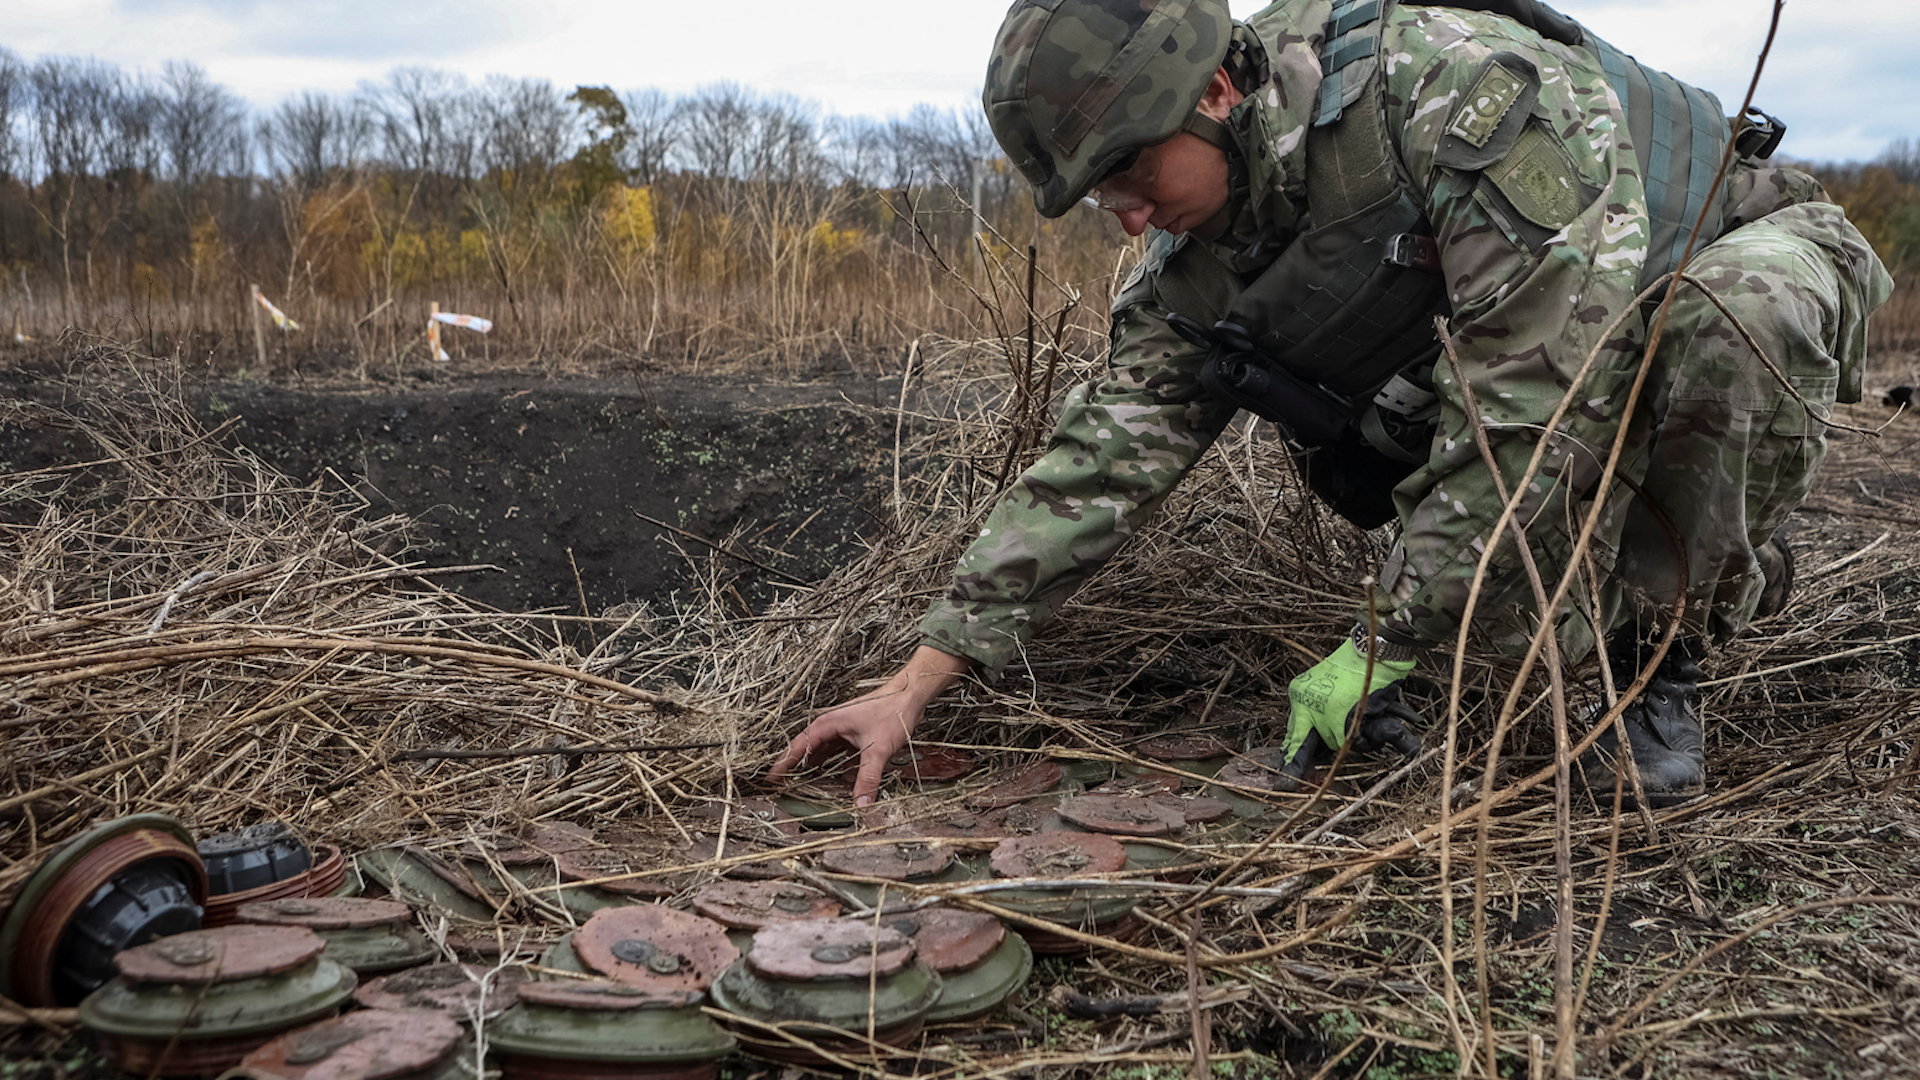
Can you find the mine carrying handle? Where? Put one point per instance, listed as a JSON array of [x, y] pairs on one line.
[[1237, 370]]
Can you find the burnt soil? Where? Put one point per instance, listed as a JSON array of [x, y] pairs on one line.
[[542, 479]]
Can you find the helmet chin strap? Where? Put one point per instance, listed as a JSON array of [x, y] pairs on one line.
[[1210, 130]]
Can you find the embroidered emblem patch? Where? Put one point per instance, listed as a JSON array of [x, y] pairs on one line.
[[1537, 177], [1493, 93]]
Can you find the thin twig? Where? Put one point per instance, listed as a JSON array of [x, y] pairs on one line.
[[547, 751]]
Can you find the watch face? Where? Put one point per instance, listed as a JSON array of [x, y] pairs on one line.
[[1378, 647]]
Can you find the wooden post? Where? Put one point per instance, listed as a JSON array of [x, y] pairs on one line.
[[259, 333], [979, 223], [433, 331]]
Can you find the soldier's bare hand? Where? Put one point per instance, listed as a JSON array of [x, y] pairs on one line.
[[877, 724]]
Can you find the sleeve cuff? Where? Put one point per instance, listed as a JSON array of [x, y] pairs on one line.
[[1389, 630], [990, 635]]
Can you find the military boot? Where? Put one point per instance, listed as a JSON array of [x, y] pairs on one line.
[[1776, 569], [1664, 730]]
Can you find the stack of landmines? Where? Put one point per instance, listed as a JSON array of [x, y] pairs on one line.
[[818, 942]]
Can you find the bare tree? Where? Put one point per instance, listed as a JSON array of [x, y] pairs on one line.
[[131, 155], [784, 141], [71, 99], [529, 128], [14, 107], [732, 133], [716, 131], [656, 122], [1902, 158], [527, 123], [313, 138], [72, 106], [941, 145], [857, 147], [14, 90], [203, 125], [133, 120], [426, 121], [315, 149]]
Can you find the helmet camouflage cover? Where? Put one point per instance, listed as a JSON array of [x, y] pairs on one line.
[[1076, 85]]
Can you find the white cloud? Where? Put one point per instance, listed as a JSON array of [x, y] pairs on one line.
[[1840, 75], [361, 30]]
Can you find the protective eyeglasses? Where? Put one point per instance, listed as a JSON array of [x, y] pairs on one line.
[[1127, 185]]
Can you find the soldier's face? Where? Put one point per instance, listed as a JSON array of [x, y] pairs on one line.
[[1179, 186]]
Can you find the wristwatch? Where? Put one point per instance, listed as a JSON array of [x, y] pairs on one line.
[[1378, 647]]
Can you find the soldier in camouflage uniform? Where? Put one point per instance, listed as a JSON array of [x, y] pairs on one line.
[[1521, 156]]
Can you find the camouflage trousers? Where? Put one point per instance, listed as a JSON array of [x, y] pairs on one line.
[[1723, 444], [1732, 442]]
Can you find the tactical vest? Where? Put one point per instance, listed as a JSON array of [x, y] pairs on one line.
[[1342, 319]]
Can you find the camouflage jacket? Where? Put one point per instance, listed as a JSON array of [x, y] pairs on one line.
[[1530, 301]]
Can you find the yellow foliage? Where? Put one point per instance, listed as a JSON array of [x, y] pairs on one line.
[[408, 258], [834, 243], [337, 228], [425, 258], [473, 251], [627, 222], [1885, 209], [149, 284], [208, 252]]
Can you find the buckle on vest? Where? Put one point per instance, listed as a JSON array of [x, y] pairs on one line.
[[1759, 135], [1413, 251], [1404, 397], [1238, 371]]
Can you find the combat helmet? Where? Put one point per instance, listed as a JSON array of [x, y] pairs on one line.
[[1076, 87]]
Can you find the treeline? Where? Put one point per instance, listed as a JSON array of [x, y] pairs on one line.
[[1882, 198], [586, 223], [590, 225]]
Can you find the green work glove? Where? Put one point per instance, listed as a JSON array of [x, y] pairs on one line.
[[1324, 695]]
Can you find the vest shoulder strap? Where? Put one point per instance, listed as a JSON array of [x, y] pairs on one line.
[[1679, 133], [1333, 308], [1351, 165], [1349, 55]]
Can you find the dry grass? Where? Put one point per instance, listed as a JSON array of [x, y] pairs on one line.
[[759, 278], [189, 633]]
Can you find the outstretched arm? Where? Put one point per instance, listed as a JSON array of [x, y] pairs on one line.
[[878, 723], [1123, 441]]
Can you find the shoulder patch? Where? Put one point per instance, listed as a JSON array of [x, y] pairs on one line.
[[1479, 115], [1486, 122]]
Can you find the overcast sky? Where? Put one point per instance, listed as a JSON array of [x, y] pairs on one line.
[[1843, 74]]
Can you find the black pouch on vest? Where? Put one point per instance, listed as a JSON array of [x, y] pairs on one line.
[[1355, 480]]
